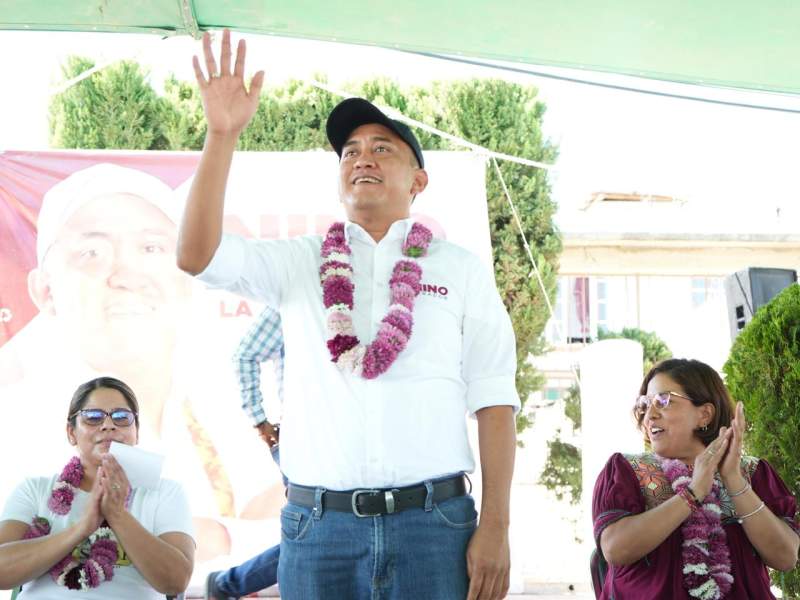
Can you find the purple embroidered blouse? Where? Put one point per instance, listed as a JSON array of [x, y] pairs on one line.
[[631, 484]]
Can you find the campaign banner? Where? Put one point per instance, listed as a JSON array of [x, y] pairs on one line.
[[90, 287]]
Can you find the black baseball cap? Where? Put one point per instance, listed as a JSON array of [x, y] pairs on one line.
[[352, 113]]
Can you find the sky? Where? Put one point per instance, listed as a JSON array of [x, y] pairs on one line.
[[721, 157]]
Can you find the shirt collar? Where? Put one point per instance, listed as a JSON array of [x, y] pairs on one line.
[[397, 231]]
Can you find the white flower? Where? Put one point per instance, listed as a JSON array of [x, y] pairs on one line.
[[339, 257], [697, 569], [337, 308], [707, 591], [352, 361], [335, 271]]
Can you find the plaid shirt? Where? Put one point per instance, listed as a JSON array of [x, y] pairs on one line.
[[262, 342]]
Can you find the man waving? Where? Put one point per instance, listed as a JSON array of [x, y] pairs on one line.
[[379, 378]]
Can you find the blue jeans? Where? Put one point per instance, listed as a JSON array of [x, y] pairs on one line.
[[418, 553], [258, 573]]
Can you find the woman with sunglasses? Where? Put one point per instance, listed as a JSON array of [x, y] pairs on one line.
[[86, 533], [694, 517]]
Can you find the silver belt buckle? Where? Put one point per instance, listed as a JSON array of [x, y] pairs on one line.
[[354, 502]]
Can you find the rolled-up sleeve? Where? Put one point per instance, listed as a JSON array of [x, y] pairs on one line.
[[256, 269], [489, 357]]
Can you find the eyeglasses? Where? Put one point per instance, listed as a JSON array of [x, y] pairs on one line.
[[121, 417], [661, 400]]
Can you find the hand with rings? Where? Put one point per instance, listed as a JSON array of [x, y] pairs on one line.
[[706, 463], [227, 103], [115, 488]]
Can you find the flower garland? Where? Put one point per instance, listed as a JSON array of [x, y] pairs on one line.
[[336, 276], [706, 558], [64, 490], [93, 561]]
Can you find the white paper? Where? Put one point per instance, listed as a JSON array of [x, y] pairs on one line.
[[142, 468]]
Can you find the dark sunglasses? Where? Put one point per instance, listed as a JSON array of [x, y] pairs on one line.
[[121, 417]]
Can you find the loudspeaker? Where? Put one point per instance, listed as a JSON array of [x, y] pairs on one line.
[[748, 290]]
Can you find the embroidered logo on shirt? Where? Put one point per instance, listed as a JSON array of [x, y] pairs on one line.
[[435, 290]]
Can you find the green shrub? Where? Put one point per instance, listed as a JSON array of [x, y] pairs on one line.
[[763, 371]]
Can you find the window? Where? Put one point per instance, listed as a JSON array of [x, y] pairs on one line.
[[705, 289]]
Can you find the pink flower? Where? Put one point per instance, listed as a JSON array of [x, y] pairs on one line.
[[333, 264], [92, 571], [392, 335], [341, 343], [72, 472], [417, 241], [336, 228], [404, 294], [330, 246], [61, 565], [400, 319], [337, 290], [104, 549], [410, 279], [39, 527], [60, 500], [407, 266], [340, 323], [379, 357], [335, 241]]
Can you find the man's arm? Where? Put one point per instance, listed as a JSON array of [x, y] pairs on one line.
[[228, 108], [262, 342], [488, 554]]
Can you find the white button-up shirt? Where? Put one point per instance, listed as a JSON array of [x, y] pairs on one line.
[[343, 432]]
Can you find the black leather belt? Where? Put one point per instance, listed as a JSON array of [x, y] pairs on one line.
[[371, 503]]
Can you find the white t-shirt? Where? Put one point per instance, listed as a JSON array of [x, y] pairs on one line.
[[159, 511]]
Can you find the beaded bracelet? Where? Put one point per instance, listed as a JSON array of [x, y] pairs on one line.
[[690, 499], [697, 500], [743, 517], [740, 492]]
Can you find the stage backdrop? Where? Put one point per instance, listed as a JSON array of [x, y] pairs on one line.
[[89, 286]]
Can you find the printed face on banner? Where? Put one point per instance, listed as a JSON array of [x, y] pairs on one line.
[[109, 280]]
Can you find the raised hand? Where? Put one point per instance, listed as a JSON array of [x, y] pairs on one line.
[[707, 462], [227, 104], [730, 469]]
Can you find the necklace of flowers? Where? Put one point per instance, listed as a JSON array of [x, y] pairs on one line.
[[336, 276], [705, 553], [97, 556]]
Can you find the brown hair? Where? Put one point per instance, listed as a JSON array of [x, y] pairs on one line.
[[702, 384], [81, 396]]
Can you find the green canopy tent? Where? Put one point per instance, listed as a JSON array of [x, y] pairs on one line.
[[733, 43]]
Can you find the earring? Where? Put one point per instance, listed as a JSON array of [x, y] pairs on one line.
[[704, 428]]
